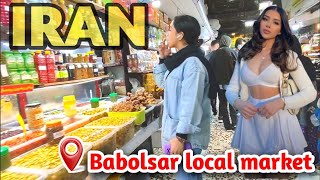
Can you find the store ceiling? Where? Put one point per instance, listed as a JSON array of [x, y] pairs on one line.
[[232, 14]]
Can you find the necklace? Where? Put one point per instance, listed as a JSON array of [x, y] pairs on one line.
[[264, 55]]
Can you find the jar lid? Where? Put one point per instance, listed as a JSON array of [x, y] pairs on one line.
[[69, 98], [53, 123], [4, 150], [38, 51], [94, 100], [47, 52], [33, 105], [113, 94]]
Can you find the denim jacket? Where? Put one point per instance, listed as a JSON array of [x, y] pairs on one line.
[[187, 108]]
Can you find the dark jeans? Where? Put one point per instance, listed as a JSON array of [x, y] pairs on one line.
[[214, 105], [223, 111]]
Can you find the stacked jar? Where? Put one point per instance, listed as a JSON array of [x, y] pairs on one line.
[[50, 67], [41, 67], [5, 79]]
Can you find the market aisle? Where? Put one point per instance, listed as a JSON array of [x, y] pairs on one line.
[[219, 143]]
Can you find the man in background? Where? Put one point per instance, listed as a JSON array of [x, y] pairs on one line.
[[214, 46], [223, 62]]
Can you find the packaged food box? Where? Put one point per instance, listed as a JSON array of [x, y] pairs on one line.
[[125, 125], [46, 159], [100, 138], [20, 144], [140, 115], [13, 173]]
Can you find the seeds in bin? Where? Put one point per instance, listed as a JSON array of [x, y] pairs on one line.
[[109, 121], [93, 111], [46, 157], [20, 176], [90, 134]]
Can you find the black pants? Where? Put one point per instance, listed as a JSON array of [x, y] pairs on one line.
[[223, 111], [214, 105]]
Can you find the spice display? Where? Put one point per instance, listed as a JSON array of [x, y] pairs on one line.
[[8, 134], [94, 102], [35, 116], [54, 131], [13, 175], [22, 139], [5, 158], [45, 157], [87, 134], [93, 111]]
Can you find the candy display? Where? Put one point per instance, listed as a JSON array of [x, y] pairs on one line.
[[22, 139]]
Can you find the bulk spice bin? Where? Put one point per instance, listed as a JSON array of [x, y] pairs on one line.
[[125, 127], [100, 138], [46, 159]]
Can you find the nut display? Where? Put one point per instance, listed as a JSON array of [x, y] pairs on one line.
[[126, 107], [12, 175], [45, 157], [8, 134], [141, 97], [93, 111], [19, 140], [90, 134], [110, 121]]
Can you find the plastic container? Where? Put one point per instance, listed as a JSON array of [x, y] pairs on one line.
[[113, 97], [94, 102], [28, 60], [69, 106], [125, 127], [100, 138], [35, 116], [140, 115], [54, 131], [5, 158]]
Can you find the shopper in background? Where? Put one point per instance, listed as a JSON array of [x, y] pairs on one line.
[[265, 126], [238, 45], [309, 130], [214, 46], [222, 64], [187, 91]]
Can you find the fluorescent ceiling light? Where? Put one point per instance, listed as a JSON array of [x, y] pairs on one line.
[[156, 3], [264, 4], [233, 34], [249, 23]]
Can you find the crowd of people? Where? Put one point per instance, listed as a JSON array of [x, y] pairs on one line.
[[250, 82]]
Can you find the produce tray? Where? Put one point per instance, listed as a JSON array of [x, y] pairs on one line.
[[106, 144], [124, 132], [21, 174], [140, 115], [55, 172], [26, 146]]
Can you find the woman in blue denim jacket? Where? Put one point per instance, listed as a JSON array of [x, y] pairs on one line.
[[184, 77]]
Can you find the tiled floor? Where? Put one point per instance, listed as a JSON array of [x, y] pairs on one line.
[[219, 143]]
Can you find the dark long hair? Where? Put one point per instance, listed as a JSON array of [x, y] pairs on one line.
[[190, 28], [281, 46]]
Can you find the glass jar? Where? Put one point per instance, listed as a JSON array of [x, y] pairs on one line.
[[15, 77], [28, 60], [57, 74], [34, 75], [64, 73], [5, 158], [78, 70], [95, 70], [35, 116], [90, 71], [71, 71], [54, 131], [84, 71], [94, 102], [25, 76]]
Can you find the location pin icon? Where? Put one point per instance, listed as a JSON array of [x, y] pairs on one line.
[[71, 161]]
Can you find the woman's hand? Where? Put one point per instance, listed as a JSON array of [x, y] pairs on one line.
[[164, 51], [247, 110], [271, 108], [177, 146]]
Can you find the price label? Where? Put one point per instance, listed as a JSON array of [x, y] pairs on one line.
[[95, 70], [78, 65], [4, 72], [85, 66], [71, 67], [90, 65], [42, 68]]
